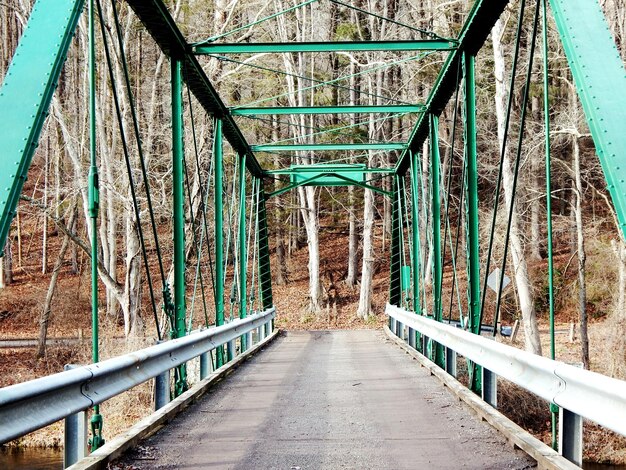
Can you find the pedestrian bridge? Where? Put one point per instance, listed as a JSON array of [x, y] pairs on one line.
[[344, 399], [329, 399]]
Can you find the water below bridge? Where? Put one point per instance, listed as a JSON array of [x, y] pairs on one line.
[[322, 400]]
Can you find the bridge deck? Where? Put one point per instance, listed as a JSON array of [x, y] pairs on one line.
[[340, 399]]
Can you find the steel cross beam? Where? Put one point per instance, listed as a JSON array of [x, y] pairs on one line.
[[278, 110], [156, 18], [338, 46], [386, 146], [480, 21], [382, 171]]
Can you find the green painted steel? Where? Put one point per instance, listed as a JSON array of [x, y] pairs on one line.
[[265, 274], [480, 21], [243, 251], [282, 110], [600, 79], [178, 210], [162, 27], [329, 147], [26, 93], [406, 278], [327, 174], [218, 178], [439, 357], [339, 46], [471, 198], [416, 242], [550, 247], [381, 171], [395, 281], [96, 421]]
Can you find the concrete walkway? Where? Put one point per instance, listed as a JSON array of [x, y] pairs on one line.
[[328, 400]]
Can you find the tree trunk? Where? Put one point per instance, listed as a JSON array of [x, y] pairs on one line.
[[44, 318], [524, 290], [618, 339], [582, 257], [353, 241], [367, 270]]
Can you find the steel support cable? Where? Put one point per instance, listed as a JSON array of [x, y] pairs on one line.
[[205, 196], [198, 247], [345, 77], [250, 231], [341, 128], [315, 80], [449, 178], [503, 150], [425, 32], [398, 191], [317, 129], [256, 184], [144, 172], [254, 23], [204, 189], [518, 158], [230, 224], [422, 198], [120, 121], [455, 251]]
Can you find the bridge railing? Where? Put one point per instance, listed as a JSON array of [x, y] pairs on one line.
[[577, 392], [31, 405]]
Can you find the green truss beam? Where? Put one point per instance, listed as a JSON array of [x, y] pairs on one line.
[[162, 27], [381, 171], [312, 179], [339, 46], [599, 75], [481, 20], [328, 147], [26, 94], [281, 110]]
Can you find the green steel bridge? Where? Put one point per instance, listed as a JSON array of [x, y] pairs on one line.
[[416, 312]]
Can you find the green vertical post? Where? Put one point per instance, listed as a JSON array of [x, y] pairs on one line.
[[243, 255], [265, 275], [554, 409], [178, 211], [395, 282], [439, 357], [94, 204], [415, 232], [219, 233], [473, 257]]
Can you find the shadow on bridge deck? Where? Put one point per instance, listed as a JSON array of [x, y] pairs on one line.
[[340, 399]]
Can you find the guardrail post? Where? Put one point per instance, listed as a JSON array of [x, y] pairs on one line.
[[571, 436], [490, 387], [425, 340], [206, 365], [75, 438], [412, 337], [76, 435], [451, 362], [230, 351], [161, 390]]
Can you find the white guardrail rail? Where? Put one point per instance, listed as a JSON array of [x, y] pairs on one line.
[[593, 396], [31, 405]]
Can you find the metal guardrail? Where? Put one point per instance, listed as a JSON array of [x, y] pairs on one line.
[[591, 395], [31, 405]]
